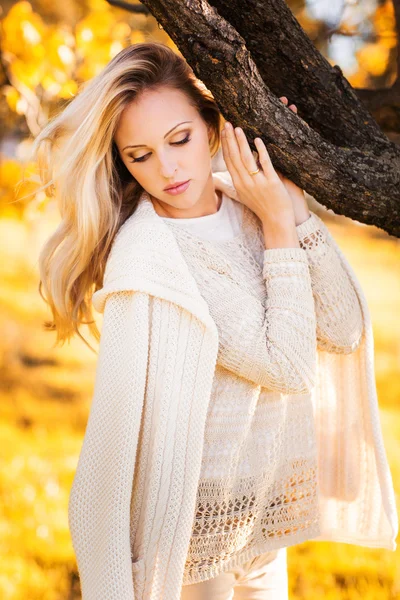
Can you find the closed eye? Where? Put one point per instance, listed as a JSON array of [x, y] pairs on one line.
[[181, 142]]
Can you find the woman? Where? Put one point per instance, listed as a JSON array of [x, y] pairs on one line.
[[234, 410]]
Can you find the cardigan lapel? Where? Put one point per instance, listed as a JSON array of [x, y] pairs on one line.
[[146, 257]]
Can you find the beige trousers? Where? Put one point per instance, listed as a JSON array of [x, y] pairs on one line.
[[261, 578]]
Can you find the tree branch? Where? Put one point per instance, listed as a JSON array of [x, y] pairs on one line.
[[291, 65], [356, 175], [133, 8]]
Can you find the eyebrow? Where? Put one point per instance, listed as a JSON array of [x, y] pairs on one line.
[[168, 132]]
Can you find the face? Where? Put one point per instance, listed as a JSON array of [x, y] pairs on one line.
[[163, 140]]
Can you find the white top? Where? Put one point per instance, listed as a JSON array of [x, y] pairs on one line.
[[219, 226]]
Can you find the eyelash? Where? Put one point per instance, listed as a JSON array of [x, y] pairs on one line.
[[184, 141]]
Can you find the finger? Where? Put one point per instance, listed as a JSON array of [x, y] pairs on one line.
[[255, 154], [227, 156], [248, 160], [234, 153], [264, 158], [293, 107]]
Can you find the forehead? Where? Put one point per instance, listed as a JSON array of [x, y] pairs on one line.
[[152, 114]]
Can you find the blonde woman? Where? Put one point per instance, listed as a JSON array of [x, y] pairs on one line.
[[234, 411]]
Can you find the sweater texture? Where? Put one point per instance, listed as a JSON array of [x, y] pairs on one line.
[[258, 446], [234, 409]]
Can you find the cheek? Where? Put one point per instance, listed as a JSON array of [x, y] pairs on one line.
[[201, 151], [138, 170]]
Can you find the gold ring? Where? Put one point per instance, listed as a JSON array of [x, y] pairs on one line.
[[253, 172]]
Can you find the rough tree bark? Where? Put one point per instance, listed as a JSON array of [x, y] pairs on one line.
[[382, 103], [335, 151]]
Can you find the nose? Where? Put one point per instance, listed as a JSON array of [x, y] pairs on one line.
[[167, 167]]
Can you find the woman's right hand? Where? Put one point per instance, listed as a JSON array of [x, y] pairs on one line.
[[263, 193]]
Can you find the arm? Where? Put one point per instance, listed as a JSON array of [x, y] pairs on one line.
[[272, 344], [338, 311]]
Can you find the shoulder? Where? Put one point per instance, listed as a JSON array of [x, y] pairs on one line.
[[145, 257]]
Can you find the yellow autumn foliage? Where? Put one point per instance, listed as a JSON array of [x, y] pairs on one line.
[[373, 58], [384, 23], [54, 58], [17, 187]]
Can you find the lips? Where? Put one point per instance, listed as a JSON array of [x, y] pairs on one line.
[[171, 187]]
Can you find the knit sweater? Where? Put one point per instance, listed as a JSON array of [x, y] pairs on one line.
[[222, 225], [134, 501], [258, 444]]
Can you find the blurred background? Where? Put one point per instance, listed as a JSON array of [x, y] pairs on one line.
[[46, 50]]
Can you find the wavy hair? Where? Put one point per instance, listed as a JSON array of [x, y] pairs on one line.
[[80, 167]]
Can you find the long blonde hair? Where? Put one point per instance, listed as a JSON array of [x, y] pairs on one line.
[[80, 167]]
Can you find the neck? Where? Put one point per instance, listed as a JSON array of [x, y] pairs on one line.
[[165, 210]]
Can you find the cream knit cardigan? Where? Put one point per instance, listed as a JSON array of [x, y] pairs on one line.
[[149, 295]]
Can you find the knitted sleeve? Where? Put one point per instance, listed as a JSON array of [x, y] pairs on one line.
[[273, 344], [337, 308]]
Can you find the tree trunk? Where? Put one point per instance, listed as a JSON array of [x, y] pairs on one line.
[[332, 148]]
